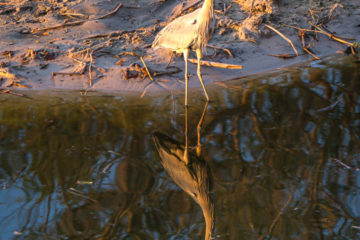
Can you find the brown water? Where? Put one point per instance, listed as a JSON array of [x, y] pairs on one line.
[[283, 150]]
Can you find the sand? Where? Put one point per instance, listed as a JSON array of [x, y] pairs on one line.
[[92, 50]]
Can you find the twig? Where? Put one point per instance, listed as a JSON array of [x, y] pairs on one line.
[[324, 109], [284, 56], [65, 73], [73, 15], [309, 52], [332, 36], [80, 194], [90, 66], [219, 48], [142, 60], [320, 30], [111, 34], [7, 91], [216, 64], [282, 35], [18, 84], [341, 163], [110, 13], [59, 26], [77, 22], [4, 73], [160, 73], [147, 70]]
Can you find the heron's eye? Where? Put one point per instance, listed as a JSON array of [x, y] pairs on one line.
[[193, 21]]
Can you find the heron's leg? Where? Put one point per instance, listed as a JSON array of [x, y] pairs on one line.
[[199, 55], [186, 151], [198, 147], [186, 56]]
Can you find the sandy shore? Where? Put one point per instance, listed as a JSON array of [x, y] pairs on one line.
[[71, 44]]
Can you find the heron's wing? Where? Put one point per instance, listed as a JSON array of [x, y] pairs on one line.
[[179, 34], [171, 155]]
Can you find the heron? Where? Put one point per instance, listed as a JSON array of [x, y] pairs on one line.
[[194, 177], [189, 170], [189, 32]]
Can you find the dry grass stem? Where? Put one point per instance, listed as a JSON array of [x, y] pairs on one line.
[[283, 36]]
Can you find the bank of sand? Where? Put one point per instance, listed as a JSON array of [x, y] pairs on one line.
[[41, 42]]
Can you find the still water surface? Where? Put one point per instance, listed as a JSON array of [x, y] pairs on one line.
[[283, 153]]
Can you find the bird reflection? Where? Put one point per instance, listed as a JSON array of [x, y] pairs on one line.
[[189, 171]]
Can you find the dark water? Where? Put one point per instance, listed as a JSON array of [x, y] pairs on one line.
[[283, 149]]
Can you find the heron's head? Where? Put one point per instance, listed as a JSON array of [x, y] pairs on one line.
[[166, 145]]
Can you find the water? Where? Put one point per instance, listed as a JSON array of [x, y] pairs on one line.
[[283, 150]]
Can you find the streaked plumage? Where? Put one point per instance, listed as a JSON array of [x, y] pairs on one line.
[[191, 31], [192, 175]]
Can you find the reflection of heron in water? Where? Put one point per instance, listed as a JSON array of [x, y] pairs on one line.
[[191, 31], [190, 171]]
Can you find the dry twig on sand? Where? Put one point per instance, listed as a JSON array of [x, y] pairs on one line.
[[216, 64], [142, 60], [223, 49], [283, 36], [283, 56], [82, 58], [70, 24], [5, 73], [160, 73], [322, 31], [332, 36], [8, 91], [308, 51]]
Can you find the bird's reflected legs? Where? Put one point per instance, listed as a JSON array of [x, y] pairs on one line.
[[186, 151], [198, 128], [186, 56], [199, 55]]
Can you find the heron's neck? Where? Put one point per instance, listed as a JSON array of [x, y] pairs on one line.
[[208, 7], [208, 212]]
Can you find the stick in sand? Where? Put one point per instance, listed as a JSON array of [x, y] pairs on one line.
[[283, 36]]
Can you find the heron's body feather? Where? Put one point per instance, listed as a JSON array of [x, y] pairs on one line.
[[192, 30]]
